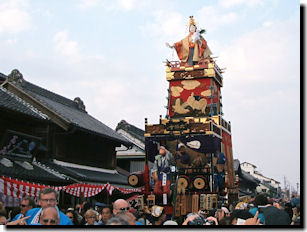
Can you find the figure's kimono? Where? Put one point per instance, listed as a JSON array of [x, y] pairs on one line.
[[190, 51]]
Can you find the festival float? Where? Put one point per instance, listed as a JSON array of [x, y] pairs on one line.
[[191, 147]]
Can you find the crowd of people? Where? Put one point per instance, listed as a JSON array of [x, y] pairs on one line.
[[260, 210]]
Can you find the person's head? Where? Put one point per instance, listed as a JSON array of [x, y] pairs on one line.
[[48, 198], [192, 28], [90, 216], [72, 215], [127, 216], [275, 216], [117, 221], [2, 208], [49, 216], [78, 207], [298, 209], [158, 214], [261, 199], [3, 219], [85, 207], [1, 205], [106, 214], [26, 204], [162, 151], [226, 211], [120, 205], [225, 221], [181, 147], [239, 213]]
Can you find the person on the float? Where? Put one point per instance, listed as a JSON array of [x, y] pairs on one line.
[[161, 171], [182, 156]]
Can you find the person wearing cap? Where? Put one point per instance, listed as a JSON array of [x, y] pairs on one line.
[[161, 171]]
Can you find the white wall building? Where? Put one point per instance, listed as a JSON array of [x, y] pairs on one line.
[[131, 159], [265, 181]]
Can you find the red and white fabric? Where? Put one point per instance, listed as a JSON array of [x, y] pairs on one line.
[[19, 189]]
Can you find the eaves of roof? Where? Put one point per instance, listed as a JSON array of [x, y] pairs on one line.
[[62, 111]]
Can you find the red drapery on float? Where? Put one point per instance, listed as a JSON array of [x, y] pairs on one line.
[[19, 189]]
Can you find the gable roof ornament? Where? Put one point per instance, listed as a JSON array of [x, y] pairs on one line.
[[80, 103], [15, 77]]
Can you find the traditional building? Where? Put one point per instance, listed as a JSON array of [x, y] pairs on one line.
[[131, 159], [48, 139], [267, 184], [247, 183]]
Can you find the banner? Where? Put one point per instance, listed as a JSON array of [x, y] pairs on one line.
[[19, 189]]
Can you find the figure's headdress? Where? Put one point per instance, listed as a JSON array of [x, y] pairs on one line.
[[192, 21]]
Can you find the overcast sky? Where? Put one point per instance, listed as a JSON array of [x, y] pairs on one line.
[[111, 53]]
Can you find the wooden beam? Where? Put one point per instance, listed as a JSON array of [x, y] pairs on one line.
[[54, 116]]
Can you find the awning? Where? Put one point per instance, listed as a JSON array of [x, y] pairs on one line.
[[32, 172], [89, 176], [19, 188]]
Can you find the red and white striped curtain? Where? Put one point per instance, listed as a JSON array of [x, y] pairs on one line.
[[19, 189]]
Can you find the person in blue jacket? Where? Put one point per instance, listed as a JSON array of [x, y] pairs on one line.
[[261, 202], [47, 198], [26, 204]]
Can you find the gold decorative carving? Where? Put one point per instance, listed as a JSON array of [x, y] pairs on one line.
[[176, 91], [206, 93], [190, 84], [189, 69], [169, 76], [178, 108]]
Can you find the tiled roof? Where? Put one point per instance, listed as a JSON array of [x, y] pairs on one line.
[[248, 177], [242, 174], [236, 165], [2, 77], [84, 175], [38, 174], [70, 111], [133, 130], [10, 101]]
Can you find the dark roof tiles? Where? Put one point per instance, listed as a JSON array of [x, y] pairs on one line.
[[133, 130], [12, 102], [70, 111], [89, 175], [38, 174]]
